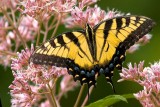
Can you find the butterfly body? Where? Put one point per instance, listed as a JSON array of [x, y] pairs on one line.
[[93, 51]]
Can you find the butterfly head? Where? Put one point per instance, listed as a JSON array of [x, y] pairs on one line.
[[88, 29], [87, 26]]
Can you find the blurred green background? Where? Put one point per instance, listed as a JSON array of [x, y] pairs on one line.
[[149, 53]]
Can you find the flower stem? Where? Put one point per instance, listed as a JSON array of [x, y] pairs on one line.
[[45, 34], [86, 98], [79, 96], [14, 27], [8, 53], [38, 37], [52, 95], [155, 100], [48, 96], [57, 25]]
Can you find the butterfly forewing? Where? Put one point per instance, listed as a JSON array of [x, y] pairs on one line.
[[68, 46]]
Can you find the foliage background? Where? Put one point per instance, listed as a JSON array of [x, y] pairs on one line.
[[149, 53]]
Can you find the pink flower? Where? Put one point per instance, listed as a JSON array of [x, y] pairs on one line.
[[3, 24], [5, 42], [144, 97], [85, 3], [22, 92], [9, 3], [22, 61], [149, 78], [133, 48], [35, 8], [114, 13], [63, 6], [45, 104], [67, 84], [39, 9], [42, 75], [144, 40], [27, 28], [92, 16], [132, 73], [36, 73]]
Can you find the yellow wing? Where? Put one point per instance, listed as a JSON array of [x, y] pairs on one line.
[[115, 35], [70, 46]]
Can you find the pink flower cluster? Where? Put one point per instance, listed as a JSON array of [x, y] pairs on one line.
[[9, 3], [22, 93], [5, 42], [31, 81], [27, 77], [27, 28], [144, 40], [92, 16], [40, 9], [8, 35], [35, 8], [149, 78]]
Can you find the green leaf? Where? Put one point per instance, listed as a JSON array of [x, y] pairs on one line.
[[110, 100]]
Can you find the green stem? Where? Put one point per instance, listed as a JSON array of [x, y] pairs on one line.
[[79, 96], [56, 27], [14, 27], [52, 95]]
